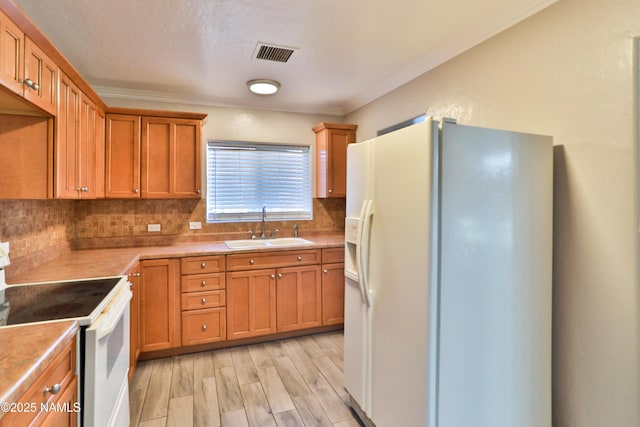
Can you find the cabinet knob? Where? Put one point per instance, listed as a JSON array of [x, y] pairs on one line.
[[203, 265], [54, 389], [299, 258], [204, 300], [330, 191], [204, 327], [136, 190], [325, 271], [251, 261], [279, 275], [273, 276], [203, 283], [137, 274], [197, 191]]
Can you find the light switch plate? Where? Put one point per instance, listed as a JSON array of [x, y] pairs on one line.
[[153, 227], [195, 225]]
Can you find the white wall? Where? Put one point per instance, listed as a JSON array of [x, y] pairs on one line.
[[568, 72]]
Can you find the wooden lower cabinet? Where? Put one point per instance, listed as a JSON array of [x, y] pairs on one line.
[[69, 400], [204, 326], [251, 303], [299, 298], [160, 304], [333, 294], [134, 336], [61, 372]]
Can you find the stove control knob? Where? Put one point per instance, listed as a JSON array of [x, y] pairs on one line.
[[54, 389]]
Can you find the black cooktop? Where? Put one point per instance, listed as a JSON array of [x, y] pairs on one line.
[[56, 300]]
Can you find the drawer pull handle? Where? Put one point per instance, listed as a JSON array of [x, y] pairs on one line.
[[279, 275], [203, 265], [273, 276], [54, 389], [204, 327], [325, 271], [251, 261], [204, 300], [204, 282], [299, 258]]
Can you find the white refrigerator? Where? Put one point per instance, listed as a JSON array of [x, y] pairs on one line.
[[448, 277]]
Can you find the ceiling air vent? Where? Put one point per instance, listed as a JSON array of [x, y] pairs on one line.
[[273, 53]]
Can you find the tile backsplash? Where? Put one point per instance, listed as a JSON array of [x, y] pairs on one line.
[[39, 230]]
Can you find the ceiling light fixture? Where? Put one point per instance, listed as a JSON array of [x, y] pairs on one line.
[[263, 86]]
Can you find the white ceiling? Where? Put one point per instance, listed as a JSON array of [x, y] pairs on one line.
[[348, 52]]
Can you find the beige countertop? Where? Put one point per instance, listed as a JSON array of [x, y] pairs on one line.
[[27, 350], [118, 261]]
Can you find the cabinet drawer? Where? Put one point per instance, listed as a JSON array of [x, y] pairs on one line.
[[202, 282], [198, 300], [204, 326], [60, 373], [332, 255], [202, 264], [258, 260]]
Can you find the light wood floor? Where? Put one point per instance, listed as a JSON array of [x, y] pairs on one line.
[[294, 382]]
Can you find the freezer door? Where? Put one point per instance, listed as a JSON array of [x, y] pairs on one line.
[[401, 278], [495, 291], [356, 329]]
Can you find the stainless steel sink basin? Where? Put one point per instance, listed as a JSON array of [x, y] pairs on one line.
[[257, 243]]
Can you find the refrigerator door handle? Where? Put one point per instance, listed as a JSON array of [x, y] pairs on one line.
[[359, 265], [365, 241]]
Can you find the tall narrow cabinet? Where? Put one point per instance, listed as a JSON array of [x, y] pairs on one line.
[[331, 158]]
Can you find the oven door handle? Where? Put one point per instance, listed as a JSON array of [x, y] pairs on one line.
[[108, 319]]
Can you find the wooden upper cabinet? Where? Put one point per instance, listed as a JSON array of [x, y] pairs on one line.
[[67, 140], [331, 158], [122, 175], [40, 77], [153, 157], [25, 69], [11, 55], [79, 144], [171, 153]]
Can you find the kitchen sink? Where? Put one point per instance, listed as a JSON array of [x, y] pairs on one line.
[[267, 243]]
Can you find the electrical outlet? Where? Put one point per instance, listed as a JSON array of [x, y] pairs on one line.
[[195, 225], [153, 227]]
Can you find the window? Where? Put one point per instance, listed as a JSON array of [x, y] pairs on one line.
[[243, 177]]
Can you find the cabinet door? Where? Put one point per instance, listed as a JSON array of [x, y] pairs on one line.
[[11, 55], [333, 294], [87, 148], [67, 139], [159, 305], [41, 71], [299, 298], [171, 153], [100, 154], [134, 336], [251, 304], [122, 163], [69, 401], [331, 158]]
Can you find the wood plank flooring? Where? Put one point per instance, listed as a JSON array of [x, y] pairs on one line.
[[290, 383]]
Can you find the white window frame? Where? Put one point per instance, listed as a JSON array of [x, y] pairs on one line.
[[231, 198]]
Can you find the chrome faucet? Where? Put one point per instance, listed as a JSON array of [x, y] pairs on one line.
[[263, 233], [263, 229]]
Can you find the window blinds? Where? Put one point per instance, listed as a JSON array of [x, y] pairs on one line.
[[243, 177]]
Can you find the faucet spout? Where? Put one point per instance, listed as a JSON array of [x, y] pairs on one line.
[[263, 233]]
